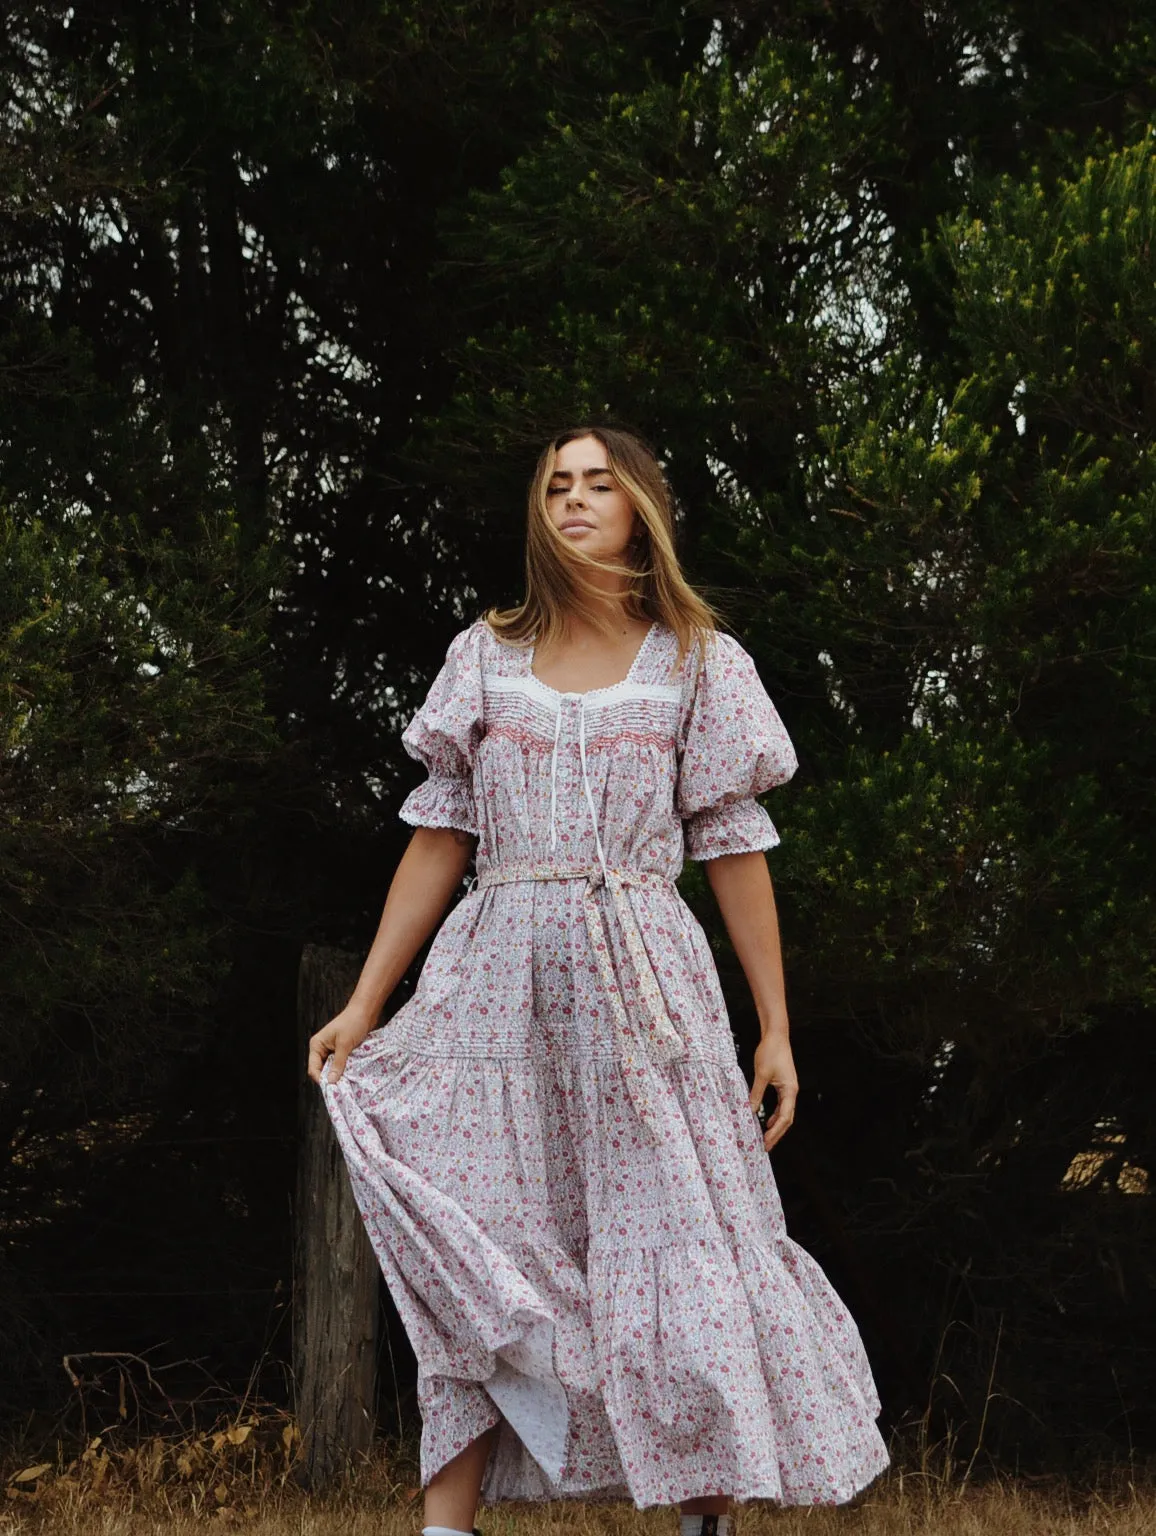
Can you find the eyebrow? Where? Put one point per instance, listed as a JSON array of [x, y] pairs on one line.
[[565, 474]]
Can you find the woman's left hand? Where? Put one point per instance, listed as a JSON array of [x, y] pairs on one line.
[[775, 1067]]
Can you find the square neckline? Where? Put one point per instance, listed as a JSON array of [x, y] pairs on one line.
[[589, 693]]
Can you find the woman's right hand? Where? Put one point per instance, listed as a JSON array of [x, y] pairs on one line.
[[431, 869], [337, 1038]]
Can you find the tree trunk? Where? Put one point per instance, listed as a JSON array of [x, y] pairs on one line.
[[336, 1275]]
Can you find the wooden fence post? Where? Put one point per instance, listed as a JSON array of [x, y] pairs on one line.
[[335, 1271]]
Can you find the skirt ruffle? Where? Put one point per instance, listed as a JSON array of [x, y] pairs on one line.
[[658, 1340]]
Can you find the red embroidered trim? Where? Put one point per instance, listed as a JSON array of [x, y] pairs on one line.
[[531, 741], [644, 738]]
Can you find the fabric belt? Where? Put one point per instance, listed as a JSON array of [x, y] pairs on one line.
[[645, 1033]]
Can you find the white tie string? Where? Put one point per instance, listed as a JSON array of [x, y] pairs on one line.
[[586, 784], [554, 781]]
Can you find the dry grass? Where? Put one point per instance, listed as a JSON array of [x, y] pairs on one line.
[[240, 1475], [890, 1509]]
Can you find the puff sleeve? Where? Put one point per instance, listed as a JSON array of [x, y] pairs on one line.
[[444, 734], [734, 748]]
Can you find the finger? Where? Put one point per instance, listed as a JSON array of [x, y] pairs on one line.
[[775, 1132], [787, 1100], [782, 1119], [758, 1092], [337, 1065], [318, 1051]]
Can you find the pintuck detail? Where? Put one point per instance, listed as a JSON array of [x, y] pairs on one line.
[[652, 1037], [551, 1141]]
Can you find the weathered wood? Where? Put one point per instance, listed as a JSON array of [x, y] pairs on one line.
[[335, 1272]]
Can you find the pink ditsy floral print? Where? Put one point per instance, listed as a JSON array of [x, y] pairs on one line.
[[551, 1142]]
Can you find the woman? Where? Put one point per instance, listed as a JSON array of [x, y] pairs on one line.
[[552, 1143]]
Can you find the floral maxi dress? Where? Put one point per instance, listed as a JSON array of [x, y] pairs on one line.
[[551, 1142]]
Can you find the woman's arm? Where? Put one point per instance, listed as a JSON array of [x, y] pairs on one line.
[[741, 883], [430, 870]]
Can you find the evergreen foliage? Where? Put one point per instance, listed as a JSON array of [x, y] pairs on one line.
[[291, 297]]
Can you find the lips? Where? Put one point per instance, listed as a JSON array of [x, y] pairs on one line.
[[574, 522]]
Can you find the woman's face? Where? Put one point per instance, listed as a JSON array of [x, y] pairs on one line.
[[585, 502]]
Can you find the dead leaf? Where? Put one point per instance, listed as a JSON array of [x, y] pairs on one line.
[[30, 1474], [238, 1434]]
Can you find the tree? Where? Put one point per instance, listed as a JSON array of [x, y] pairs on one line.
[[216, 329], [291, 295], [941, 604]]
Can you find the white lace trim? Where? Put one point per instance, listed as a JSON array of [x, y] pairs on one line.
[[551, 699]]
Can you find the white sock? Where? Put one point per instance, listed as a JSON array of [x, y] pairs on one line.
[[443, 1530], [704, 1525]]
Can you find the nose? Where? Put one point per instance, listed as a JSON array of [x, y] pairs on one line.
[[574, 498]]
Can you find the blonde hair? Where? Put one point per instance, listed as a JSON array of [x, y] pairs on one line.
[[555, 579]]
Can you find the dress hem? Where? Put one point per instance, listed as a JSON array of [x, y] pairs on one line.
[[619, 1493]]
